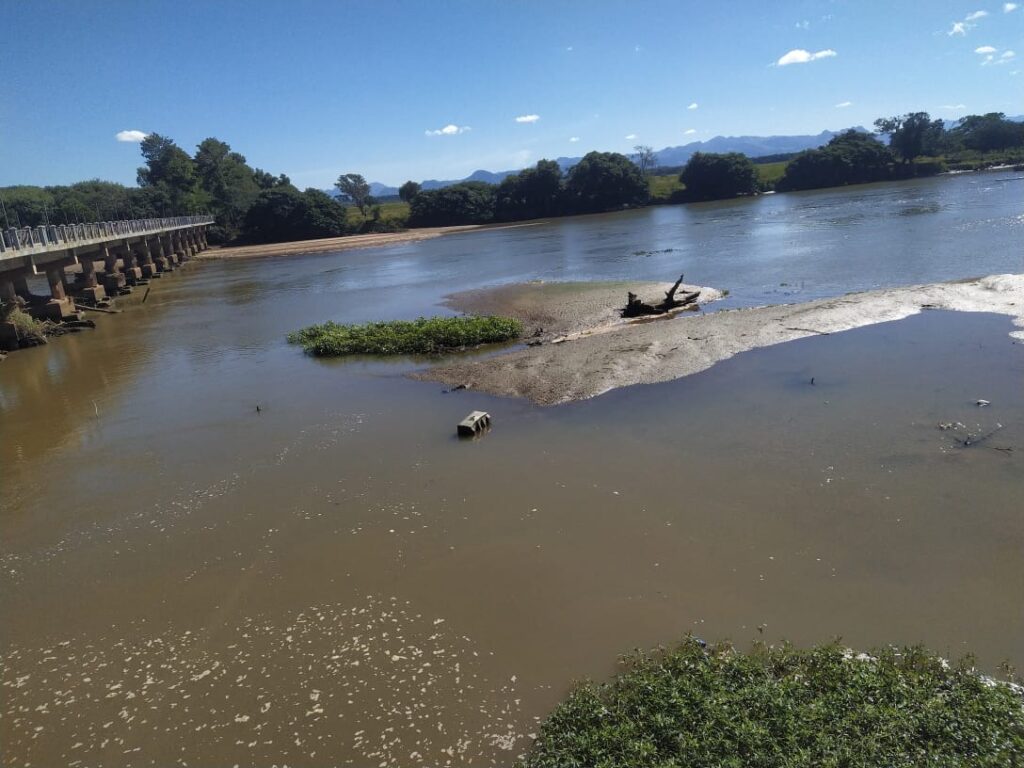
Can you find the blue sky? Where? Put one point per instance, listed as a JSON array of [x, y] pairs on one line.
[[315, 89]]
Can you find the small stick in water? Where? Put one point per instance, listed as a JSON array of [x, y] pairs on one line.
[[145, 296]]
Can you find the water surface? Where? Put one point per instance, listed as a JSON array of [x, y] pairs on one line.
[[336, 578]]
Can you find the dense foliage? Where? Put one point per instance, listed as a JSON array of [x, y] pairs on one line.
[[604, 181], [403, 337], [283, 213], [779, 706], [912, 135], [850, 158], [471, 202], [709, 176]]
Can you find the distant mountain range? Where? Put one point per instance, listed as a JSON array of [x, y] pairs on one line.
[[669, 157]]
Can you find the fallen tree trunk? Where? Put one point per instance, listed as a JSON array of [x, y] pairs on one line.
[[637, 308]]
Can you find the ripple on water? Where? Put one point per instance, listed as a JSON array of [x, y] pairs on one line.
[[369, 684]]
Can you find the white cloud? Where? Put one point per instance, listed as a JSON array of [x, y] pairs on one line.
[[573, 139], [959, 28], [985, 49], [805, 24], [844, 104], [632, 136], [1009, 7], [132, 136], [568, 47], [449, 130], [1008, 55], [976, 15], [954, 107], [800, 56], [528, 118], [693, 105], [689, 132]]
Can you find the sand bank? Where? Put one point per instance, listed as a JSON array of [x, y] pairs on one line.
[[345, 243], [586, 351]]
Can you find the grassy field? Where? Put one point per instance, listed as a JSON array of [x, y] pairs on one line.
[[404, 337], [779, 706], [392, 215]]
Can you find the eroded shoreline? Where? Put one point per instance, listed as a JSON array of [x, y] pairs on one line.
[[576, 361]]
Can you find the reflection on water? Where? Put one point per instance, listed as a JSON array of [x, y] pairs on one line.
[[273, 584]]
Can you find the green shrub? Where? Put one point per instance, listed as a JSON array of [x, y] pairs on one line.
[[405, 337], [780, 706]]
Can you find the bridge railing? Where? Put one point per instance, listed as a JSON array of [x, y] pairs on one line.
[[67, 235]]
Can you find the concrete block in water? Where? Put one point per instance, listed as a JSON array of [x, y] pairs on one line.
[[473, 424]]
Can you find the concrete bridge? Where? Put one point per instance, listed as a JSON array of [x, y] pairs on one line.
[[131, 252]]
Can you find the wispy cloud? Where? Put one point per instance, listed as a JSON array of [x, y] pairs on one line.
[[1009, 7], [689, 132], [1007, 55], [528, 118], [449, 130], [693, 105], [976, 15], [983, 49], [958, 28], [632, 136], [800, 56], [844, 104], [573, 139], [805, 24], [131, 136], [954, 107]]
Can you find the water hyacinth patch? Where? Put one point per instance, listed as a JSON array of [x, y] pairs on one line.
[[426, 335], [826, 707]]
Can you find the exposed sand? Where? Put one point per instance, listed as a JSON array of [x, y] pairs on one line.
[[584, 363], [342, 243]]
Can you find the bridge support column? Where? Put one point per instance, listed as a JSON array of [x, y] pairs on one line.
[[7, 293], [88, 288], [149, 269], [20, 283], [59, 307], [113, 280], [165, 262], [132, 271]]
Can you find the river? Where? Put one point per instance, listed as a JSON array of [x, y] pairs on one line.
[[336, 579]]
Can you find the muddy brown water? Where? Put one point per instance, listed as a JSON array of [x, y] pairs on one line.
[[337, 579]]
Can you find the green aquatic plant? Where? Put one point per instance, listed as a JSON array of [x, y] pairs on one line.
[[825, 707], [426, 335]]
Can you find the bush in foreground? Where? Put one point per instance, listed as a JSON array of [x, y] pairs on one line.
[[779, 706], [405, 337]]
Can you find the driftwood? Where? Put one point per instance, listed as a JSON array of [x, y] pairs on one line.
[[637, 308]]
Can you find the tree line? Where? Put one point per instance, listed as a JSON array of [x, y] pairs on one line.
[[253, 205]]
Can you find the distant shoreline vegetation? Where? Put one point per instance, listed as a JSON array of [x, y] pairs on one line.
[[253, 206]]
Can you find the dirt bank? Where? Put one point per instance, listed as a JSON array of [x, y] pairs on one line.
[[586, 363], [341, 243]]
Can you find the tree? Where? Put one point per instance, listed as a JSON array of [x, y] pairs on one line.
[[170, 169], [408, 191], [710, 176], [645, 159], [989, 132], [283, 213], [911, 135], [852, 157], [354, 188], [229, 183], [604, 181], [532, 193], [471, 202], [266, 180]]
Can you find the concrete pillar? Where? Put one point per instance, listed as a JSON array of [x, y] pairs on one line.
[[55, 277], [113, 279], [20, 283], [7, 292], [89, 289], [132, 271], [178, 244], [145, 257]]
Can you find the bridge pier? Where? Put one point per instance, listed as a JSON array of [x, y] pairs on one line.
[[60, 307], [88, 287], [114, 281]]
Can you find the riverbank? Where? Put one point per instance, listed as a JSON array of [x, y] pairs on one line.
[[347, 242], [607, 356]]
